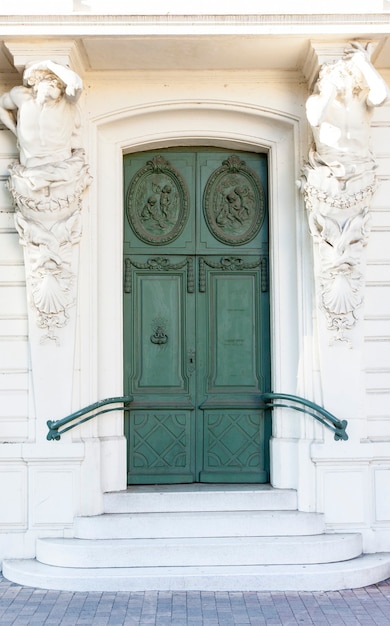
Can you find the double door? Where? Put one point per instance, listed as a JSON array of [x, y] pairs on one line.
[[196, 316]]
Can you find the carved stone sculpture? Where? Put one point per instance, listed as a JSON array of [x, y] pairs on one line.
[[338, 181], [47, 184]]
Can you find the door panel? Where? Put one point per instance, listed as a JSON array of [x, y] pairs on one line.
[[161, 445], [231, 311], [160, 340], [159, 326], [233, 443], [230, 316], [196, 317], [159, 330]]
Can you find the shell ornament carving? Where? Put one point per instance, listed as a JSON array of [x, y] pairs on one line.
[[233, 203], [157, 202], [341, 280]]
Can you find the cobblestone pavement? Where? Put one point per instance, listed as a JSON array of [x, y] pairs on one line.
[[22, 606]]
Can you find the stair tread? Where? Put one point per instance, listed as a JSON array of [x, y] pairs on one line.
[[178, 541], [198, 524], [359, 562], [363, 570], [200, 497], [252, 512]]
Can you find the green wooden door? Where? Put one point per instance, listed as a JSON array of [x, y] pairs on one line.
[[196, 316]]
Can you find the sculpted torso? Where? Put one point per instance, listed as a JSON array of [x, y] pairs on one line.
[[344, 130], [340, 112], [46, 131]]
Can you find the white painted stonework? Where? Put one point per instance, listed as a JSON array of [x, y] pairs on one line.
[[239, 84]]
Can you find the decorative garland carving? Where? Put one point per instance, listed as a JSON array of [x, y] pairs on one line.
[[230, 264], [158, 264], [157, 203], [233, 203], [338, 181]]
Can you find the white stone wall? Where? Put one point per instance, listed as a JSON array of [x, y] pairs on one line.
[[377, 333], [377, 313], [14, 364]]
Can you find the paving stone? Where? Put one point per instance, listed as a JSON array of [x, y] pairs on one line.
[[25, 606]]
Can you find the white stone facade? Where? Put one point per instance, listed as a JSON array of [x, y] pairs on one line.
[[135, 103]]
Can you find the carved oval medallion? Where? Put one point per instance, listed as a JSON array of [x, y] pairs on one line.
[[233, 202], [157, 202]]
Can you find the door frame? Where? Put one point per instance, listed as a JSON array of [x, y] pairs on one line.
[[169, 124]]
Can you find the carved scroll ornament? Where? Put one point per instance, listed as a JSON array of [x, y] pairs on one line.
[[338, 181]]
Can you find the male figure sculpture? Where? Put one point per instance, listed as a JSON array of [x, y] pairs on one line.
[[340, 112], [47, 184], [338, 180], [47, 125]]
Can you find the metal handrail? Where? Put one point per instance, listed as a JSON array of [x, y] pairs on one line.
[[311, 408], [54, 426], [338, 427]]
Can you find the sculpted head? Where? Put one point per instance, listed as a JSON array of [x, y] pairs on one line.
[[45, 85], [343, 74]]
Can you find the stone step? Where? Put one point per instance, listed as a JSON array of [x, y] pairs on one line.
[[362, 571], [198, 524], [199, 497], [198, 552]]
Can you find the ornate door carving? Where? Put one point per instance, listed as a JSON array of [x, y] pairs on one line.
[[196, 316]]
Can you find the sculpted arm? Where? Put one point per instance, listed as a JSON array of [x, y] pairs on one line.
[[317, 105], [72, 81], [360, 57], [7, 105], [10, 102]]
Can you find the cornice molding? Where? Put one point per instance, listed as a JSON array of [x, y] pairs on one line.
[[63, 51], [79, 25], [321, 52]]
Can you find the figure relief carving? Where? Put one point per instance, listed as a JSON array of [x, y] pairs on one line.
[[233, 202], [157, 202], [338, 181], [47, 184]]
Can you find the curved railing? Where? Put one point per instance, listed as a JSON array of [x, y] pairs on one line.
[[311, 408], [58, 427], [285, 400]]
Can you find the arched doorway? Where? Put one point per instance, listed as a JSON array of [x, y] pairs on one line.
[[234, 127]]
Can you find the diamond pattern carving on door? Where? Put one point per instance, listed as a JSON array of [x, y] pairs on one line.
[[232, 439], [160, 441]]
